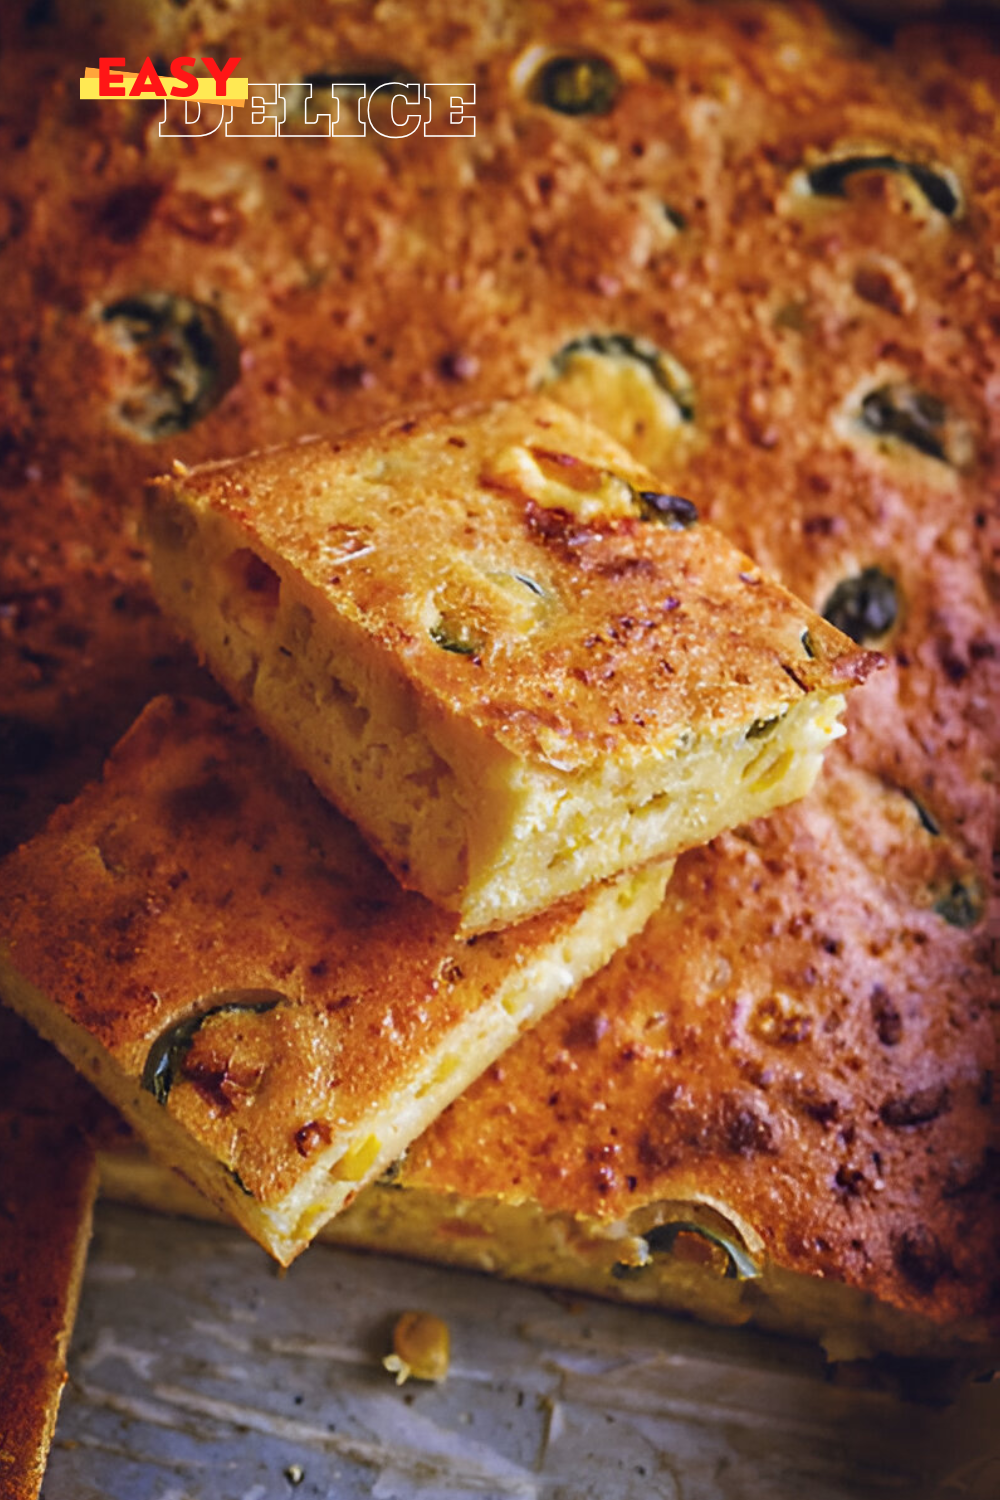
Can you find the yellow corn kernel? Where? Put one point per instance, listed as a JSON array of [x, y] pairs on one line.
[[421, 1345], [774, 773], [305, 1227], [445, 1068], [357, 1160]]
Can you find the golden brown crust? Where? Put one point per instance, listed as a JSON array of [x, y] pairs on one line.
[[362, 281], [825, 1070], [288, 255], [200, 871], [48, 1182], [650, 631]]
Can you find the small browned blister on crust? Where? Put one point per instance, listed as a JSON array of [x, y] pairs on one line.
[[220, 953], [498, 647], [48, 1181]]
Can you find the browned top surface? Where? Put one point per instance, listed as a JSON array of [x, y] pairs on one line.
[[47, 1185], [363, 279], [823, 1063], [631, 633], [198, 868]]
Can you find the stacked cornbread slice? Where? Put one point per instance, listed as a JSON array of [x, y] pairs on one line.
[[499, 648], [491, 630], [218, 951]]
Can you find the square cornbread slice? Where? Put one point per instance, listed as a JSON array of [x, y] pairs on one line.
[[219, 952], [495, 644]]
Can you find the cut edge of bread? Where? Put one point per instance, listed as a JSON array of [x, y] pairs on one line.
[[360, 1154]]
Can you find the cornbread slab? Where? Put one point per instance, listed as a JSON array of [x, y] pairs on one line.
[[774, 1106], [219, 953], [831, 335], [795, 1059], [358, 278], [48, 1182], [500, 649]]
